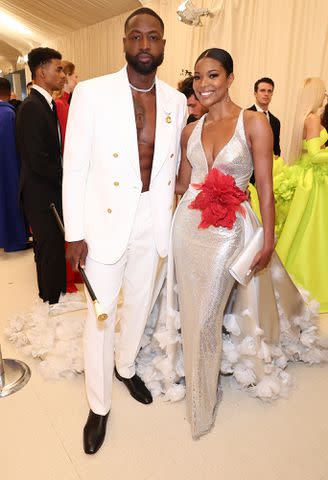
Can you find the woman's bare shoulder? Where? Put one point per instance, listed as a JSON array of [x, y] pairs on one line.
[[254, 121], [312, 119], [252, 116]]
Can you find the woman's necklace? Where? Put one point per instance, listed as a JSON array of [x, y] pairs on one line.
[[143, 90]]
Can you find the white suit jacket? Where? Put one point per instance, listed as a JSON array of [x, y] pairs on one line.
[[101, 182]]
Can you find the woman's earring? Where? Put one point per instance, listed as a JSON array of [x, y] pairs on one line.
[[227, 99]]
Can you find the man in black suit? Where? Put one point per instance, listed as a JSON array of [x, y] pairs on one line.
[[39, 144], [263, 91]]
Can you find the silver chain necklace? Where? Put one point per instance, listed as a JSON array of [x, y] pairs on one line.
[[143, 90]]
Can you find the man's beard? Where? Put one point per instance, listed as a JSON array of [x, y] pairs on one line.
[[144, 68]]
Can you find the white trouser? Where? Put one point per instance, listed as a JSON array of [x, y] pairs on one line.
[[135, 274]]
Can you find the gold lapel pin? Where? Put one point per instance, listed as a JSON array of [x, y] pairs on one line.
[[168, 118]]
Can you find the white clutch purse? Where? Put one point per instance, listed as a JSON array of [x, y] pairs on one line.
[[240, 267]]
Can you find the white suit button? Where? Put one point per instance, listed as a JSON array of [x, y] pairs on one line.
[[116, 184], [172, 155], [115, 155], [169, 182], [109, 210]]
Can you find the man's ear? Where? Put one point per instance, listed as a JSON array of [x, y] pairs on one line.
[[39, 72]]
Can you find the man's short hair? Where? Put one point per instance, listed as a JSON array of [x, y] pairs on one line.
[[185, 87], [143, 11], [5, 87], [264, 80], [40, 56]]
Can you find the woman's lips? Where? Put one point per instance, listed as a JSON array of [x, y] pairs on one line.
[[205, 94]]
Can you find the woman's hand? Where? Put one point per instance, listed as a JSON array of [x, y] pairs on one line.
[[262, 259]]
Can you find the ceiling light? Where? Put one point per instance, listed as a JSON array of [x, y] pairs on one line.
[[190, 14], [11, 24]]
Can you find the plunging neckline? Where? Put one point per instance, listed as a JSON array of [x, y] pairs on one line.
[[224, 146]]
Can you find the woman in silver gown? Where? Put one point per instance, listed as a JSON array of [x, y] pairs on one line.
[[267, 322]]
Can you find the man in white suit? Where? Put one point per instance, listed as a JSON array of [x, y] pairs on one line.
[[121, 156]]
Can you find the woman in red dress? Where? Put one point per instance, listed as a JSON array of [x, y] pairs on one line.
[[62, 103]]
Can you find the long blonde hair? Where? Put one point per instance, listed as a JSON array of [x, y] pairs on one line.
[[310, 98], [68, 69]]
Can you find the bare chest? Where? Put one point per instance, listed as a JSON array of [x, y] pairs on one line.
[[215, 136], [145, 118]]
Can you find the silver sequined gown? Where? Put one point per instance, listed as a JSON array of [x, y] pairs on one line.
[[263, 319]]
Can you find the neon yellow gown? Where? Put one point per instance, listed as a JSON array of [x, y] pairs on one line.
[[285, 179], [302, 191]]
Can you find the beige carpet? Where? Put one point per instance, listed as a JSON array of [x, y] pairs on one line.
[[41, 426]]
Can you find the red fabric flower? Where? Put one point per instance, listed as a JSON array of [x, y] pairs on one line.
[[219, 200]]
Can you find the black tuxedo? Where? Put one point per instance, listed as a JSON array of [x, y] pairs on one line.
[[40, 185], [275, 126]]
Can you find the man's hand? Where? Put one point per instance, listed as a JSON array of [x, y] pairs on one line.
[[76, 253]]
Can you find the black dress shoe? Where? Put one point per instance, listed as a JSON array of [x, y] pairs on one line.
[[137, 388], [94, 432]]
